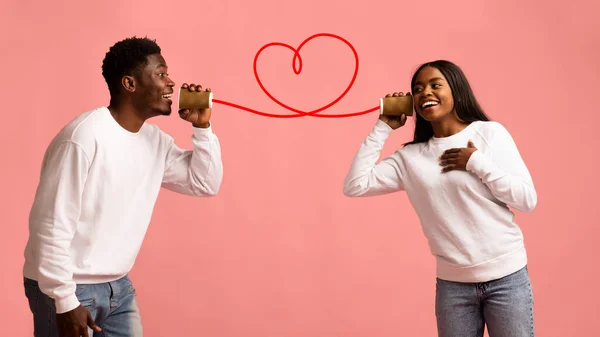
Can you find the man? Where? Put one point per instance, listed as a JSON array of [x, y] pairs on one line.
[[99, 182]]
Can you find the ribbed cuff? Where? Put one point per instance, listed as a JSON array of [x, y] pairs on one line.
[[203, 134], [476, 163], [66, 304], [382, 130]]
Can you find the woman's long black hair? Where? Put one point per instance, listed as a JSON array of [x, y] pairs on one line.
[[467, 107]]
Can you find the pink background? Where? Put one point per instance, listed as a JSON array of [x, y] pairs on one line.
[[280, 251]]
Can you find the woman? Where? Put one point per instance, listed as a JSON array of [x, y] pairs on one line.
[[461, 173]]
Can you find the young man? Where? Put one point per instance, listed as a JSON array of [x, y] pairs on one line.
[[99, 182]]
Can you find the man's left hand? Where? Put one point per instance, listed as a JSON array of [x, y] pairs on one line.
[[200, 118]]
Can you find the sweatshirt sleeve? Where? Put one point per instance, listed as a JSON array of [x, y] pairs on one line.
[[197, 172], [503, 170], [366, 177], [53, 221]]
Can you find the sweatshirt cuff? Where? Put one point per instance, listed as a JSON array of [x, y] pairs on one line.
[[477, 163], [66, 304], [382, 130], [203, 134]]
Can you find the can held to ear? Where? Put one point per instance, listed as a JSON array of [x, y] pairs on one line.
[[396, 106]]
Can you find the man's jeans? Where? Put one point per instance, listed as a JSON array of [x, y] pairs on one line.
[[111, 304], [504, 305]]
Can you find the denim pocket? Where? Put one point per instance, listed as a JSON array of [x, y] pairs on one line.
[[88, 303], [130, 287], [85, 295]]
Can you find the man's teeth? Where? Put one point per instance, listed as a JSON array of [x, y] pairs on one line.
[[167, 95], [429, 103]]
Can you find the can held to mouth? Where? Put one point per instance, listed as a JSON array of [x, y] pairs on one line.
[[195, 99]]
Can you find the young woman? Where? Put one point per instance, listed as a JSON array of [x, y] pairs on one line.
[[461, 173]]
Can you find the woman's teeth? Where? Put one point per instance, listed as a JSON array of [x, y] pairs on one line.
[[429, 103]]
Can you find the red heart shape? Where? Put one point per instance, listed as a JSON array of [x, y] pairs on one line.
[[297, 70]]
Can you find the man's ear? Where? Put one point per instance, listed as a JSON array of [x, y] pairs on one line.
[[128, 82]]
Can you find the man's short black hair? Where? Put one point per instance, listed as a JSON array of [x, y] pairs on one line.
[[124, 58]]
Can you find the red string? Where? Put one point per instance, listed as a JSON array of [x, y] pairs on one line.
[[297, 60]]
